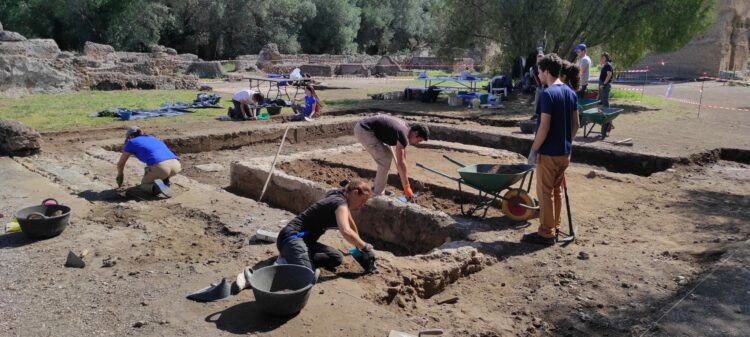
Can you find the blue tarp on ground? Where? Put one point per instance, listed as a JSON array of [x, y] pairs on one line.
[[202, 101]]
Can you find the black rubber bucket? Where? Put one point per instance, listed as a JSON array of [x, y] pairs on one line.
[[283, 290], [44, 221]]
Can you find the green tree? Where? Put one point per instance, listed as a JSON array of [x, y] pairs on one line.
[[333, 29], [215, 29], [126, 24], [375, 32], [627, 28], [413, 25]]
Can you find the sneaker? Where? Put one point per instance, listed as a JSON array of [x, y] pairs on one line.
[[242, 281], [161, 187], [535, 238]]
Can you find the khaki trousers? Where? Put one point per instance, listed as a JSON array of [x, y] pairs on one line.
[[380, 152], [550, 171], [161, 170]]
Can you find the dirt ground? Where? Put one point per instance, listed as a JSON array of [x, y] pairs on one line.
[[664, 254]]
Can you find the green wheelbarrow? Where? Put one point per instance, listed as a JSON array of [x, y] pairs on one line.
[[598, 116], [491, 180]]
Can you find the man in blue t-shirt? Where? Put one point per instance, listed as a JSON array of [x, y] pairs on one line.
[[557, 124], [161, 163]]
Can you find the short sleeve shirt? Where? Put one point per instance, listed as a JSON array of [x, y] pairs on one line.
[[309, 102], [316, 219], [149, 150], [388, 129], [559, 101], [243, 94], [585, 64], [603, 74]]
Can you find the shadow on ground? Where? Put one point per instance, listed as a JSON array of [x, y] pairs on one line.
[[714, 303], [14, 240], [245, 318]]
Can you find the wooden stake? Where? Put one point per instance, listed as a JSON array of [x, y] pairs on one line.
[[270, 172]]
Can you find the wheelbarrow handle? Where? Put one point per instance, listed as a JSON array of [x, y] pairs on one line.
[[438, 172], [454, 161]]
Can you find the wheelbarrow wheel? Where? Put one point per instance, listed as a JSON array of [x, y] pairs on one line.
[[512, 208]]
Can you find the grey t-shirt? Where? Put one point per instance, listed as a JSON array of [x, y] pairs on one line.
[[585, 64], [387, 129]]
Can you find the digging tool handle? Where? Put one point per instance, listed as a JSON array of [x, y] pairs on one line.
[[626, 140], [567, 206], [438, 172], [270, 172], [454, 161]]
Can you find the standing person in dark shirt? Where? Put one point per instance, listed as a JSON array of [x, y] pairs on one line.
[[379, 132], [298, 241], [605, 79], [556, 126]]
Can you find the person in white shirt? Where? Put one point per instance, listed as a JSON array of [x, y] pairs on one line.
[[243, 100], [584, 62]]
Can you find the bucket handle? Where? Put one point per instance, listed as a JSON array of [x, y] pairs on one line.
[[317, 274], [35, 216], [44, 202]]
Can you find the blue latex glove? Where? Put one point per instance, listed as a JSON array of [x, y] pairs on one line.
[[532, 157]]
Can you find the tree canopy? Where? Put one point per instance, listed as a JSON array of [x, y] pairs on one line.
[[626, 28], [215, 29]]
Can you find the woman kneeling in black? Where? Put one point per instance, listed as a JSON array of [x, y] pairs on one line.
[[298, 241]]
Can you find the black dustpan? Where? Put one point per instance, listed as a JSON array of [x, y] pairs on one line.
[[212, 293]]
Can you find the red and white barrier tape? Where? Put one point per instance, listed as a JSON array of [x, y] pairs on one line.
[[706, 105]]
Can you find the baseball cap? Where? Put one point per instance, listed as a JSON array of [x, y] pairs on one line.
[[133, 130], [580, 46]]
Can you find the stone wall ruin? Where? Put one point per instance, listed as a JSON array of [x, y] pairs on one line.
[[722, 48]]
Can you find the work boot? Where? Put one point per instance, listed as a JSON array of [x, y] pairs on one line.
[[535, 238]]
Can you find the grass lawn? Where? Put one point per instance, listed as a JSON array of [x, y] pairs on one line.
[[59, 111]]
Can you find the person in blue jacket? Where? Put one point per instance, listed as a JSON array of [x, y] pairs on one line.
[[161, 163]]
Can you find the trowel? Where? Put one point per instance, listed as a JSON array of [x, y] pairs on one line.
[[404, 199], [425, 332]]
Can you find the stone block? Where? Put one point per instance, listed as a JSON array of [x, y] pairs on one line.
[[41, 48], [96, 51], [17, 138], [353, 69], [320, 70], [210, 69], [8, 36]]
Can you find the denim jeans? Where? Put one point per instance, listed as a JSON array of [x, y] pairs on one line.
[[315, 255], [604, 94]]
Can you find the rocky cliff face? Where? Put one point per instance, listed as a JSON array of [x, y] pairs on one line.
[[32, 66]]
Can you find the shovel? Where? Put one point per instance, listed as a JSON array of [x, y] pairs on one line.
[[426, 332], [572, 233]]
